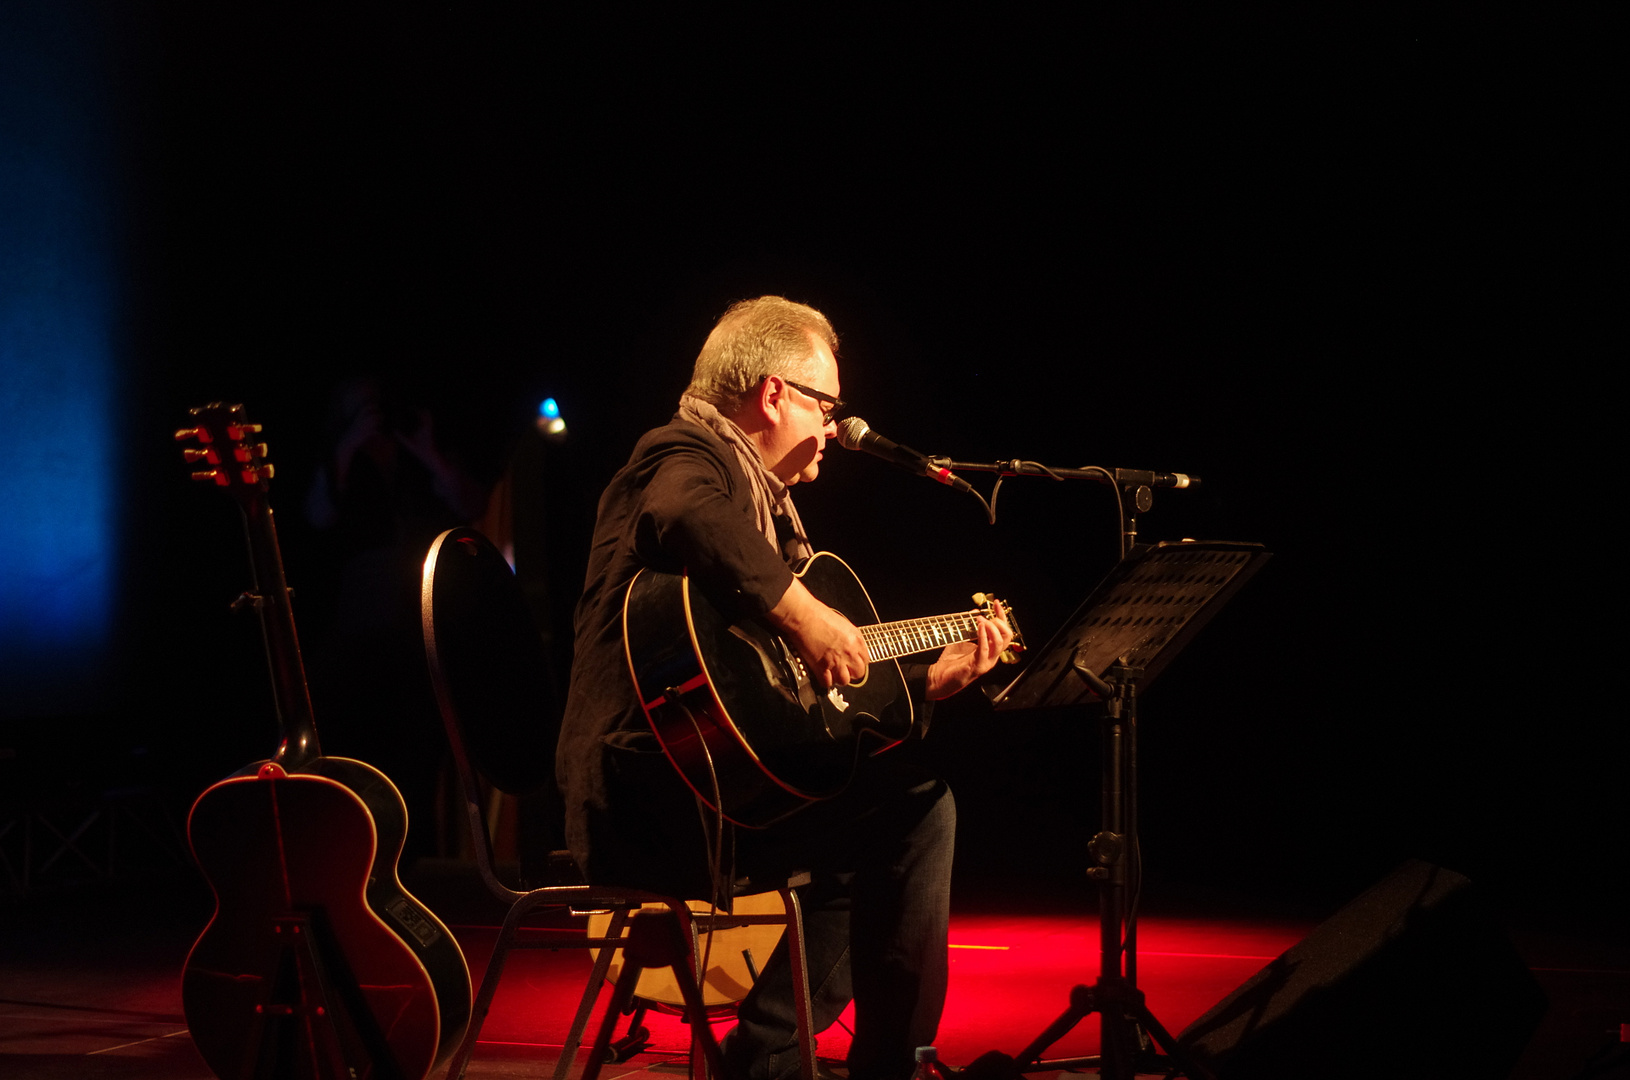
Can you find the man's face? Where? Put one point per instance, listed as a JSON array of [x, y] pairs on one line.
[[802, 431]]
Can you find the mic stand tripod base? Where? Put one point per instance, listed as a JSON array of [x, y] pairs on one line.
[[1126, 1050], [1126, 1023]]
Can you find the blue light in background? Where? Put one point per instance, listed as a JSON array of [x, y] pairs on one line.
[[58, 370], [551, 425]]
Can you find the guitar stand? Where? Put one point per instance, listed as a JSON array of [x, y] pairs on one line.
[[655, 939], [635, 1039], [1131, 626], [296, 1029]]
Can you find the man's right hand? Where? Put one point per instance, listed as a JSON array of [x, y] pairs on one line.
[[829, 643]]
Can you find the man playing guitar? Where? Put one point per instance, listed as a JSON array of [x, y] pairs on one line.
[[707, 496]]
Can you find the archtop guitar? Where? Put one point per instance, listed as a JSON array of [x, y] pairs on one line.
[[317, 963]]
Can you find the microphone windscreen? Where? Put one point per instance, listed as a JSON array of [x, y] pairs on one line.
[[850, 431]]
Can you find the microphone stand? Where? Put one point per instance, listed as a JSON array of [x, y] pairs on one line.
[[1133, 487], [1129, 628]]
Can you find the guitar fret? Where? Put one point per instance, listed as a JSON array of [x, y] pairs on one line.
[[885, 641]]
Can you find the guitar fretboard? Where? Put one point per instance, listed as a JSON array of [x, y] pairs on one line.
[[885, 641]]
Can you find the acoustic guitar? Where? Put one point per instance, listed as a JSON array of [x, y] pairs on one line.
[[735, 709], [317, 963]]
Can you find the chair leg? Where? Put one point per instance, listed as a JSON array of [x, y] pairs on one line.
[[701, 1029], [591, 994], [621, 995], [489, 987], [800, 983], [657, 939]]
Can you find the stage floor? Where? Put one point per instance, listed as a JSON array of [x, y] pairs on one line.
[[89, 985]]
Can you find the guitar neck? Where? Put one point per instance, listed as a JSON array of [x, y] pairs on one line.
[[230, 458], [886, 641], [299, 727]]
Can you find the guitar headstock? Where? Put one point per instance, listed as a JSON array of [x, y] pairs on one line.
[[227, 448], [987, 605]]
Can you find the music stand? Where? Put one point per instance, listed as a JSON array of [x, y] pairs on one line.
[[1131, 626]]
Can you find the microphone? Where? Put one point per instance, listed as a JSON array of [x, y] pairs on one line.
[[855, 434], [1156, 479]]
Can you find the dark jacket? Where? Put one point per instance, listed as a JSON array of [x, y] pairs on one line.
[[680, 504]]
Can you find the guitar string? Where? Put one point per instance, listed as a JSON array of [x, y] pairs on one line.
[[918, 635]]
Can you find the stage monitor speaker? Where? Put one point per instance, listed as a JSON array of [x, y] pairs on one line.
[[1412, 979]]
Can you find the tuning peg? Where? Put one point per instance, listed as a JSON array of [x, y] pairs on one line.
[[199, 433], [211, 476], [980, 599], [237, 432]]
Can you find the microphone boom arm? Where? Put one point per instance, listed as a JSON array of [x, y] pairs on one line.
[[1134, 482], [856, 434], [1120, 477]]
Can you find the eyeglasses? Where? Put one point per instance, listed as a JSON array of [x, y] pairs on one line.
[[834, 406]]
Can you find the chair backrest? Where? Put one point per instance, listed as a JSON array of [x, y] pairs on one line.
[[487, 664]]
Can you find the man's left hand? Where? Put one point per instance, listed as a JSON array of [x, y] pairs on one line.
[[962, 663]]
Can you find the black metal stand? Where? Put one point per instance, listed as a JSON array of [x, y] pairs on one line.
[[1125, 1023], [1130, 627], [296, 1027]]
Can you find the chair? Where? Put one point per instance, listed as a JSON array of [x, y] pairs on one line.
[[486, 663]]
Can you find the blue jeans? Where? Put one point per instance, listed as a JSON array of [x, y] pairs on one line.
[[876, 919]]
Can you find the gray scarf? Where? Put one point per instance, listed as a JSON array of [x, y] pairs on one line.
[[771, 499]]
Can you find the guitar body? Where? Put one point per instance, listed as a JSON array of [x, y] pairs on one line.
[[314, 965], [414, 924], [735, 710]]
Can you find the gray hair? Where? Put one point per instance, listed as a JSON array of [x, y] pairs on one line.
[[755, 338]]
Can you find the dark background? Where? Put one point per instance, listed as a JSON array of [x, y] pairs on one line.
[[1351, 269]]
